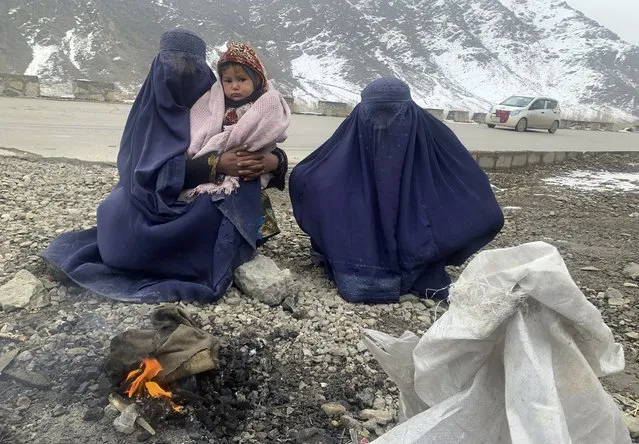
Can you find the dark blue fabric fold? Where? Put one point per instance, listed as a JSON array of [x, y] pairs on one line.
[[149, 246], [392, 198]]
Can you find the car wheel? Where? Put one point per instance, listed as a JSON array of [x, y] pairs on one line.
[[553, 127], [490, 125], [521, 126]]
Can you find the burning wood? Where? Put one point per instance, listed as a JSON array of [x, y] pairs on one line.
[[141, 382]]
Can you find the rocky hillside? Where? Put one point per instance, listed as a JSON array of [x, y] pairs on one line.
[[467, 53]]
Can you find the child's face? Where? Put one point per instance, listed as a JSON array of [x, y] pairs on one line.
[[236, 83]]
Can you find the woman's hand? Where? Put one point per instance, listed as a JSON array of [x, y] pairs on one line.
[[253, 166], [227, 164], [247, 165]]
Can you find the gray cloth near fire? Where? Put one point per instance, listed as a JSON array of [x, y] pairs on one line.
[[182, 348]]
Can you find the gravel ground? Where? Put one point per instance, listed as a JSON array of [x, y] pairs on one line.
[[282, 370]]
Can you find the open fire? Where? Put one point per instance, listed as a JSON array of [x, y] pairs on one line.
[[141, 383]]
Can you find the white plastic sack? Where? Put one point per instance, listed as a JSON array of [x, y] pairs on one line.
[[515, 359]]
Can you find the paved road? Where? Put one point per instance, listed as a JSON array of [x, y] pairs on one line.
[[91, 131]]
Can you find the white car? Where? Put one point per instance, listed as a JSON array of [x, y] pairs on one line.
[[523, 112]]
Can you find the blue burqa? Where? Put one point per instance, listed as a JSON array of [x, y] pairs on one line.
[[149, 246], [392, 198]]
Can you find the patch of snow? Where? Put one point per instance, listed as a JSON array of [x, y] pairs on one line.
[[598, 113], [41, 61], [598, 181], [213, 54], [79, 48], [322, 77]]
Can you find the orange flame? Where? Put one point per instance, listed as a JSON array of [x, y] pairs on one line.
[[156, 391], [148, 370], [142, 379]]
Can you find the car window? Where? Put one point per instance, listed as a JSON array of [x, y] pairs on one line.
[[537, 104], [551, 104], [517, 101]]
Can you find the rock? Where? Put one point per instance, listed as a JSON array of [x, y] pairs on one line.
[[263, 280], [371, 425], [632, 422], [348, 422], [19, 291], [633, 335], [615, 297], [632, 271], [143, 436], [77, 351], [430, 303], [40, 300], [630, 285], [409, 298], [93, 414], [304, 435], [111, 412], [590, 268], [82, 387], [333, 409], [23, 403], [379, 403], [24, 356], [290, 303], [58, 410], [28, 378], [379, 416], [366, 397], [125, 423], [233, 301]]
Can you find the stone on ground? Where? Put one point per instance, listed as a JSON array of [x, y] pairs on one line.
[[20, 291], [632, 271], [263, 280]]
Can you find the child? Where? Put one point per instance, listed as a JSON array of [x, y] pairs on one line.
[[241, 111]]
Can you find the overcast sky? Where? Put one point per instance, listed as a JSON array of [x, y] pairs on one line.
[[620, 16]]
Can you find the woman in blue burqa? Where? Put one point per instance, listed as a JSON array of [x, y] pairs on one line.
[[150, 246], [391, 199]]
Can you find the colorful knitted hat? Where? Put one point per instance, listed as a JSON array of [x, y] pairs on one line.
[[243, 54]]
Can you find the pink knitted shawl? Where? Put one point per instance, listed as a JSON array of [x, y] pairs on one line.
[[259, 129]]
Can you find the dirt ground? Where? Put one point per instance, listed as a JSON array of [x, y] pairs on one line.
[[279, 367]]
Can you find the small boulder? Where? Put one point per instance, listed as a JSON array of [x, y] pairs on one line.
[[615, 297], [125, 423], [333, 409], [380, 417], [263, 280], [632, 271], [20, 291], [632, 335], [310, 435], [348, 422]]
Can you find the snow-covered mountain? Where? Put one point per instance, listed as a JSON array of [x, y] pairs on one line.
[[461, 53]]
